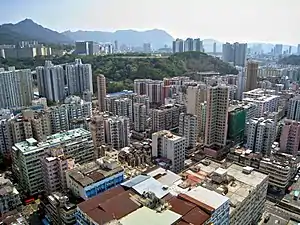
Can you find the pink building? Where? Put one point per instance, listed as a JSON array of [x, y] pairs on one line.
[[290, 137]]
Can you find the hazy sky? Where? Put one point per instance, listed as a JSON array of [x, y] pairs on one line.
[[225, 20]]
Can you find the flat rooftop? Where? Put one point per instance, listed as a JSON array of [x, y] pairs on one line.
[[152, 217], [169, 135], [31, 145], [208, 197], [91, 172]]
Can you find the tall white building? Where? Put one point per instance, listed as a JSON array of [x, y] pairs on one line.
[[27, 155], [51, 81], [79, 78], [15, 88], [188, 128], [117, 133], [139, 115], [261, 135], [265, 102], [217, 116], [170, 146]]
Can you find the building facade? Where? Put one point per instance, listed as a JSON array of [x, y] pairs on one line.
[[27, 155], [170, 146], [15, 88]]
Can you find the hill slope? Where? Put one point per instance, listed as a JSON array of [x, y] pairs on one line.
[[158, 38], [290, 60], [29, 30], [120, 71]]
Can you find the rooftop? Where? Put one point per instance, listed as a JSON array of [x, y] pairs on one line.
[[31, 145], [208, 197], [152, 217], [92, 172]]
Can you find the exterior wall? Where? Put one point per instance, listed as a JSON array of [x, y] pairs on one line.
[[96, 188]]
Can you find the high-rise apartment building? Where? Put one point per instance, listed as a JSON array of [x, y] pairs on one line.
[[59, 118], [54, 167], [235, 53], [290, 137], [142, 99], [151, 88], [86, 48], [78, 78], [178, 45], [147, 48], [188, 128], [278, 49], [139, 115], [261, 135], [119, 106], [97, 130], [215, 48], [101, 91], [170, 146], [201, 117], [216, 116], [298, 49], [251, 71], [15, 88], [188, 45], [51, 81], [294, 109], [166, 117], [27, 155], [154, 92], [117, 133]]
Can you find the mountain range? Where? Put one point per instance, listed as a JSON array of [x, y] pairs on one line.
[[29, 30]]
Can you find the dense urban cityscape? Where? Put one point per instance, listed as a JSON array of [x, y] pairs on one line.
[[190, 132]]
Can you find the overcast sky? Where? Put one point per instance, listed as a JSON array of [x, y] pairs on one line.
[[276, 21]]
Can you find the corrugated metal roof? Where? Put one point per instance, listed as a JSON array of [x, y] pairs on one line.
[[102, 197], [120, 205], [99, 216], [134, 181], [151, 185], [196, 216], [180, 206]]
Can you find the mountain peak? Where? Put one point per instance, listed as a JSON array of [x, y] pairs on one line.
[[27, 29], [27, 20]]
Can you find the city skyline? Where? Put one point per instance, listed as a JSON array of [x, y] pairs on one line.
[[225, 21]]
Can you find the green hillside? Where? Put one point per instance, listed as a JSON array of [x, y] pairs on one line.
[[121, 70]]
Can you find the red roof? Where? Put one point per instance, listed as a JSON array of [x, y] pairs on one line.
[[120, 205], [180, 206], [95, 201], [99, 216], [196, 216]]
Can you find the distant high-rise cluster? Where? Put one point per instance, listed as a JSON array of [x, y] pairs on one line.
[[189, 45], [56, 82], [234, 53], [93, 48]]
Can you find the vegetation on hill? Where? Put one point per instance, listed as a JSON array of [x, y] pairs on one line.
[[290, 60], [121, 70], [28, 30]]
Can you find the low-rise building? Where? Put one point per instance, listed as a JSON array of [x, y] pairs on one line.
[[146, 199], [280, 167], [9, 196], [90, 179], [58, 209]]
